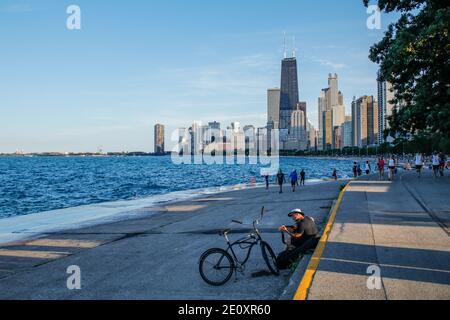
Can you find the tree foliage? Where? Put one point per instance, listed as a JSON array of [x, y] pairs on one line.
[[414, 56]]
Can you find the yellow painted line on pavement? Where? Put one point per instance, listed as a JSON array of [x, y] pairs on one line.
[[305, 284]]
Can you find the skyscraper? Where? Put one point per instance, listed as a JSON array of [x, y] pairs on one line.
[[297, 139], [273, 107], [385, 96], [159, 139], [366, 122], [356, 124], [302, 106], [346, 131], [322, 108], [331, 112], [288, 91]]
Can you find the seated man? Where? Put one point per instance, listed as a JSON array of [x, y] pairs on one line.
[[304, 237]]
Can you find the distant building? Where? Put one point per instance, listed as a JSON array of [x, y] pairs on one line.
[[356, 124], [159, 139], [347, 133], [302, 106], [337, 138], [214, 132], [235, 126], [297, 139], [365, 121], [328, 130], [288, 91], [273, 106], [312, 136], [321, 109], [331, 113], [385, 96]]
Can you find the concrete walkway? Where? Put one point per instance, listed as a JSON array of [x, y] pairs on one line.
[[155, 255], [402, 227]]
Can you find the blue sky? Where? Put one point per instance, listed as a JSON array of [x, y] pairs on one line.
[[135, 63]]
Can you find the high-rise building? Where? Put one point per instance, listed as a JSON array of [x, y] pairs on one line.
[[273, 106], [298, 128], [328, 130], [302, 106], [214, 125], [297, 139], [366, 121], [322, 109], [356, 124], [337, 138], [214, 134], [331, 113], [346, 132], [338, 115], [288, 91], [312, 136], [159, 139], [385, 107]]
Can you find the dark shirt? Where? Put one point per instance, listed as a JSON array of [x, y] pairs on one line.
[[280, 178], [309, 230], [302, 175]]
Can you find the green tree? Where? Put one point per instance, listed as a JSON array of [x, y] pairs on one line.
[[414, 56]]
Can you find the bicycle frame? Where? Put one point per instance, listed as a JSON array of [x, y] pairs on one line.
[[252, 240]]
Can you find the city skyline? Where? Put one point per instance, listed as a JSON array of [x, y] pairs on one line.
[[77, 90]]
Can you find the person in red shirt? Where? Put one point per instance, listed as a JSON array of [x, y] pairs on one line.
[[355, 170], [381, 165], [335, 177]]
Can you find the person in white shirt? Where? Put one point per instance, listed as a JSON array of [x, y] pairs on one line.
[[419, 164], [367, 167], [436, 164], [392, 166]]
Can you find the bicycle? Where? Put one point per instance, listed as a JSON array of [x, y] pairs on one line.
[[223, 263]]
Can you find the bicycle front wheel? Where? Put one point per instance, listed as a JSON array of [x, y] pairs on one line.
[[270, 258], [216, 267]]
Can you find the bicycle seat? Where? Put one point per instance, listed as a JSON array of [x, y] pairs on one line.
[[224, 232]]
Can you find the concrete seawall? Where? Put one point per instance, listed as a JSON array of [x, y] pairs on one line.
[[155, 254]]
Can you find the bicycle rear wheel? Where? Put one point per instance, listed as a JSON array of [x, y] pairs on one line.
[[270, 258], [216, 267]]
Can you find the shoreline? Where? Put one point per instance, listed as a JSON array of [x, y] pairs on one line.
[[23, 227]]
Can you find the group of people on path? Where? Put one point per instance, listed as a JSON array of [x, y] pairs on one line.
[[438, 164], [295, 179]]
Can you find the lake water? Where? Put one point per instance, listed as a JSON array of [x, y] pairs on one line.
[[36, 184]]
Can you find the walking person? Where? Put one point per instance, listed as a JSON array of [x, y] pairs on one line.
[[367, 168], [355, 170], [442, 163], [334, 175], [266, 178], [380, 165], [294, 179], [392, 167], [359, 170], [302, 177], [281, 179], [436, 164], [419, 164]]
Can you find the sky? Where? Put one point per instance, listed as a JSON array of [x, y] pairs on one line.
[[140, 62]]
